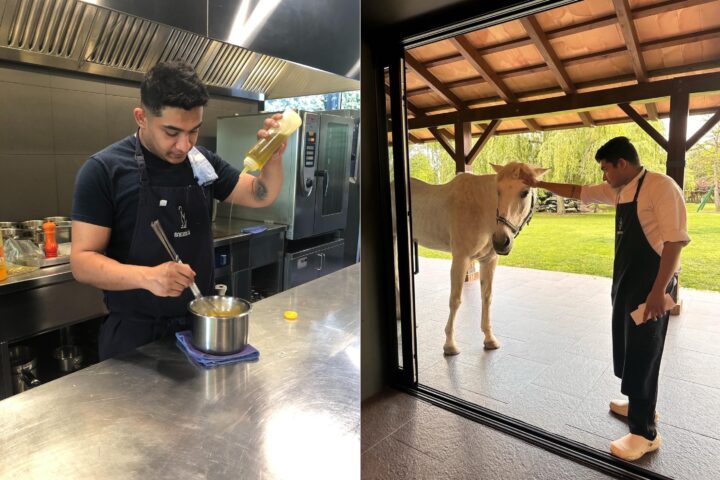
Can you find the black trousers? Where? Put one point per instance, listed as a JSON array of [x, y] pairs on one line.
[[641, 416]]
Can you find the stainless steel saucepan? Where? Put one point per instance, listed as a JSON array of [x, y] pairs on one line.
[[220, 323]]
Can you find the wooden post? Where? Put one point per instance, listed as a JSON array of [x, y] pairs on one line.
[[463, 144], [679, 109]]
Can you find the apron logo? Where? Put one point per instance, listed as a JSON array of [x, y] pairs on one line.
[[183, 224]]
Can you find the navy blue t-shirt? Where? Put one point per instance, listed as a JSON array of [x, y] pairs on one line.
[[107, 188]]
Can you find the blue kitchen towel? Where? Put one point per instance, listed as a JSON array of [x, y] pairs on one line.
[[255, 229], [207, 360]]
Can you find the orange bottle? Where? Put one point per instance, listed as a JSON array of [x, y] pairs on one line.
[[3, 266], [50, 243]]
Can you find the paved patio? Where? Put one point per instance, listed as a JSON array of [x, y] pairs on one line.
[[554, 367]]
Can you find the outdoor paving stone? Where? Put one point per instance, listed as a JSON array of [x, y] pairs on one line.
[[541, 407], [593, 345], [697, 340], [689, 406], [499, 380], [572, 374], [542, 348], [691, 366]]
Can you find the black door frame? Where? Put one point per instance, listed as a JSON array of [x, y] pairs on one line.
[[401, 370]]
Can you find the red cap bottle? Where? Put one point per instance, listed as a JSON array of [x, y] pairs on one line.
[[50, 243]]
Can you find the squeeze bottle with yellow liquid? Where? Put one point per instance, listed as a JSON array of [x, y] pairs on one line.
[[3, 266], [265, 147]]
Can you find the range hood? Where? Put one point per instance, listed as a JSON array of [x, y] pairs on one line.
[[81, 37]]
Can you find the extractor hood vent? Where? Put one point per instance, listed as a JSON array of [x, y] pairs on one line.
[[185, 46], [48, 27], [123, 41], [77, 36]]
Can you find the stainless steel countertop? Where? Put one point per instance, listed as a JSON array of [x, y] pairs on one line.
[[224, 232], [295, 413]]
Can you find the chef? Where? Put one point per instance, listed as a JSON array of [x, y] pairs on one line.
[[650, 232], [157, 173]]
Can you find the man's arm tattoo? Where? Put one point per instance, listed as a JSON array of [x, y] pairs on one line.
[[259, 190]]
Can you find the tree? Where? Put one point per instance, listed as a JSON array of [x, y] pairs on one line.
[[704, 162]]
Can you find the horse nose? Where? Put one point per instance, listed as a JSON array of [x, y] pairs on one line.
[[501, 243]]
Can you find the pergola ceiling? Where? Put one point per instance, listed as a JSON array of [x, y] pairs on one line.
[[589, 46]]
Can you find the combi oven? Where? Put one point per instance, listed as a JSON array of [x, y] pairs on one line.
[[314, 197]]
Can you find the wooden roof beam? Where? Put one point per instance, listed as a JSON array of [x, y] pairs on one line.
[[629, 34], [436, 85], [642, 123], [484, 137], [684, 39], [703, 130], [468, 51], [441, 140], [704, 83], [536, 33]]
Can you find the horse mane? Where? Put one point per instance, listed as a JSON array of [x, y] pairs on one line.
[[512, 171]]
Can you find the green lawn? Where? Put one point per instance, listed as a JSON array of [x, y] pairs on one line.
[[584, 244]]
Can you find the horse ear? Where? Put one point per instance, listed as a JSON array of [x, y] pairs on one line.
[[538, 172], [497, 168]]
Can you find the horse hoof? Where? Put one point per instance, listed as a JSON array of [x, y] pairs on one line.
[[450, 350], [491, 344]]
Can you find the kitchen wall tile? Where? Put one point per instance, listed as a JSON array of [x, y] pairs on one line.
[[25, 116], [78, 83], [122, 89], [30, 191], [120, 120], [24, 75], [79, 122], [67, 167]]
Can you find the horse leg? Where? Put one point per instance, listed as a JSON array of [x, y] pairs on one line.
[[487, 271], [457, 277]]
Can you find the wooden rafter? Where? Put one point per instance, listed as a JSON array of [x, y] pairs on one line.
[[594, 84], [467, 50], [627, 28], [709, 34], [441, 140], [484, 137], [604, 21], [535, 31], [708, 82], [712, 121], [642, 123], [436, 85]]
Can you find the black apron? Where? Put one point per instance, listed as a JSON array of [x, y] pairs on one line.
[[637, 350], [137, 316]]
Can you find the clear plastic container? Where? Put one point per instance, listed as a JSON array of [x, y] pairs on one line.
[[258, 155]]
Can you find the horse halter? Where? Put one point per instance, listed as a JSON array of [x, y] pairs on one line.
[[516, 230]]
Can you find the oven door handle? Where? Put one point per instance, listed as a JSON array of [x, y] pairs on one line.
[[326, 180]]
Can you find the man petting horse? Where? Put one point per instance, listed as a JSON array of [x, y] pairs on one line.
[[650, 231]]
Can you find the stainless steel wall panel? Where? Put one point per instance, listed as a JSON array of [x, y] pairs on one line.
[[79, 122], [29, 190], [122, 89], [26, 119], [66, 167]]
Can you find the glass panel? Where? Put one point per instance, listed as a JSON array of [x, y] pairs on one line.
[[335, 155]]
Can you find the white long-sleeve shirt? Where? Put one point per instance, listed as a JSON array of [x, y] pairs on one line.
[[661, 207]]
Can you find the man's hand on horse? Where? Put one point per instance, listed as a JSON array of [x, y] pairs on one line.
[[528, 179]]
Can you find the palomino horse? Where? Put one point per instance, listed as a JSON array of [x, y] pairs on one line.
[[457, 217]]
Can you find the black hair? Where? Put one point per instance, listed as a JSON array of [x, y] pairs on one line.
[[617, 148], [172, 84]]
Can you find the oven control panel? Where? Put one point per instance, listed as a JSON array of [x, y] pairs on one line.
[[310, 142]]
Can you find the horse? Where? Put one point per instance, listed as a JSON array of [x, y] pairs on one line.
[[457, 217]]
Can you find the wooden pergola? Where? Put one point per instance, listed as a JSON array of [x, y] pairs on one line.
[[594, 62]]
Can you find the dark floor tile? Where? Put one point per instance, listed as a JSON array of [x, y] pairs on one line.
[[692, 366], [384, 413], [690, 406], [394, 460], [543, 408]]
